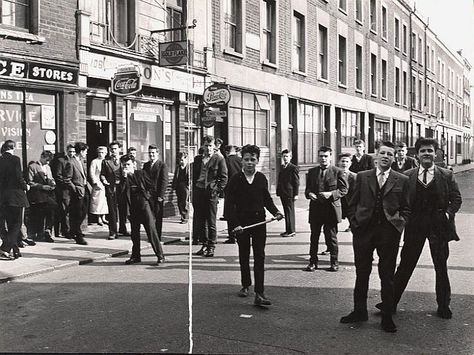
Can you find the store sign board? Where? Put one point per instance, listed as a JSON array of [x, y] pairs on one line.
[[173, 53], [217, 94], [19, 69], [104, 67], [126, 81], [208, 119]]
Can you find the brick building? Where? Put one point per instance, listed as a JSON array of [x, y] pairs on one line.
[[38, 75]]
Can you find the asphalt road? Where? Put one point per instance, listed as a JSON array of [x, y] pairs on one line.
[[111, 307]]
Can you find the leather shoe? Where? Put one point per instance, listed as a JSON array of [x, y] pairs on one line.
[[80, 240], [161, 260], [16, 254], [261, 300], [283, 234], [201, 251], [112, 236], [209, 252], [289, 235], [21, 244], [355, 316], [133, 261], [244, 292], [379, 306], [29, 242], [444, 312], [311, 267], [333, 268], [6, 256], [387, 324]]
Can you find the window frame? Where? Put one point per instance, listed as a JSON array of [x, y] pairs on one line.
[[359, 11], [396, 39], [383, 79], [373, 74], [359, 67], [239, 46], [298, 44], [323, 62], [373, 16], [269, 55], [342, 61], [384, 24]]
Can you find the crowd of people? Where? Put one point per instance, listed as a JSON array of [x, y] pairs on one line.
[[382, 198]]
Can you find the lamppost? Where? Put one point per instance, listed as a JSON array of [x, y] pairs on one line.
[[433, 123]]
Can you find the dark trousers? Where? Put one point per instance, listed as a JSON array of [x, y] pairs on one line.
[[182, 194], [61, 220], [111, 195], [256, 237], [385, 239], [41, 219], [330, 235], [123, 212], [289, 211], [157, 209], [204, 218], [13, 218], [410, 254], [78, 213], [141, 213]]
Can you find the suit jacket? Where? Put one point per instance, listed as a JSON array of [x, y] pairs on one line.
[[409, 163], [395, 200], [351, 179], [107, 172], [37, 179], [234, 165], [158, 173], [334, 182], [143, 193], [62, 173], [216, 173], [288, 181], [79, 182], [174, 183], [12, 184], [449, 199], [366, 163]]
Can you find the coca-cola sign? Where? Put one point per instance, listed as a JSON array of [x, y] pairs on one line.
[[217, 94], [126, 82]]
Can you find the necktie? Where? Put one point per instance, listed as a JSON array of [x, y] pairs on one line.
[[425, 180], [322, 173], [380, 180]]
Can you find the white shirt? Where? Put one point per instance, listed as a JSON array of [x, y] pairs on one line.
[[429, 174], [251, 177], [384, 175]]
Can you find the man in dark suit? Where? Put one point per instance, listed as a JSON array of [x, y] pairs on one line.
[[158, 173], [209, 180], [434, 199], [110, 176], [62, 173], [403, 162], [345, 164], [378, 212], [234, 166], [360, 160], [41, 198], [80, 192], [325, 185], [12, 199], [180, 185], [137, 188], [287, 188], [133, 152]]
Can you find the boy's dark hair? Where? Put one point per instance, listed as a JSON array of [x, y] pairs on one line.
[[426, 141], [152, 146], [358, 141], [126, 157], [325, 149], [131, 149], [80, 146], [115, 143], [7, 145], [208, 139], [181, 155], [345, 155], [69, 146], [219, 141], [47, 154], [401, 145], [387, 144], [250, 149], [285, 151]]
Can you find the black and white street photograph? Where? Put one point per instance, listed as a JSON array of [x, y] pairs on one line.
[[237, 177]]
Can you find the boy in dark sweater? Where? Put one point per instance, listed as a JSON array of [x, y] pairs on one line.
[[248, 197]]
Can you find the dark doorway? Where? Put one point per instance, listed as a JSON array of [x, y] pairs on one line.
[[98, 134]]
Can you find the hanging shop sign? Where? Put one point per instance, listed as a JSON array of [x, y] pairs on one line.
[[173, 53], [18, 69], [126, 81], [217, 94]]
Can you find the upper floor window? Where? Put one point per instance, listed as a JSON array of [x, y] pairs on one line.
[[373, 15], [358, 10], [298, 42], [343, 5], [414, 39], [233, 24], [358, 69], [397, 85], [384, 79], [174, 19], [384, 22], [397, 33], [342, 61], [323, 52], [404, 38], [420, 51], [373, 74], [269, 31], [15, 13]]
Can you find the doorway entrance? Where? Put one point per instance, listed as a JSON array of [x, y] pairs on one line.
[[98, 134]]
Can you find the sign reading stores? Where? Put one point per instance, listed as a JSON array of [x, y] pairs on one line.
[[37, 71]]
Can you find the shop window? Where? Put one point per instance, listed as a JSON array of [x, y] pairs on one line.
[[382, 131], [233, 24], [269, 31], [112, 21], [310, 132], [350, 128], [174, 19], [248, 120]]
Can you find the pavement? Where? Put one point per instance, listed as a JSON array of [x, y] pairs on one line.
[[64, 253]]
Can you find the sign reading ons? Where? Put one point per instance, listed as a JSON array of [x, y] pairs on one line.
[[126, 82], [216, 94]]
